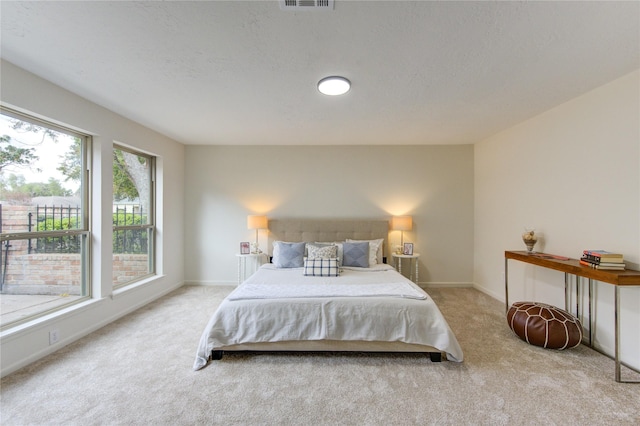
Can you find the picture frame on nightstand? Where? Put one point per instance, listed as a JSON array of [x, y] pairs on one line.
[[408, 249], [245, 247]]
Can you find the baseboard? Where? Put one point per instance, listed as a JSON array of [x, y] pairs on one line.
[[212, 283], [432, 284], [498, 297], [436, 284]]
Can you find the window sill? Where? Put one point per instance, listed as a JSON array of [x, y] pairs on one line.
[[143, 283]]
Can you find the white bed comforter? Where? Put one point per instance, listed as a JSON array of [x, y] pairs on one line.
[[373, 304], [274, 283]]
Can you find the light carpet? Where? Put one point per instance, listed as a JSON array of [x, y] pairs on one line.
[[137, 370]]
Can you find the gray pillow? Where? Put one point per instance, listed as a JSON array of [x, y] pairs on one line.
[[355, 254], [288, 255]]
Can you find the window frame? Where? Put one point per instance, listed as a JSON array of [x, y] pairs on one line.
[[84, 232], [150, 227]]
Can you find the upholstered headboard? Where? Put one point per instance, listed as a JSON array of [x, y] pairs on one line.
[[310, 230]]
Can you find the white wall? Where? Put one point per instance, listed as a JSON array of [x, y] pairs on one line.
[[573, 174], [26, 92], [434, 184]]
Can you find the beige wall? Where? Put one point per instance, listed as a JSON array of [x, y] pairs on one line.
[[573, 174], [434, 184]]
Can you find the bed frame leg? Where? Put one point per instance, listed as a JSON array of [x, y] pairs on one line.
[[435, 356], [216, 355]]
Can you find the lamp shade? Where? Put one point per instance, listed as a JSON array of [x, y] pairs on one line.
[[256, 222], [401, 223]]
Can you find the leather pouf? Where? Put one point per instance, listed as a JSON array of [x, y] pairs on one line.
[[544, 325]]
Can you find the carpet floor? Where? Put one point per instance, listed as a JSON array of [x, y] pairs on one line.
[[137, 370]]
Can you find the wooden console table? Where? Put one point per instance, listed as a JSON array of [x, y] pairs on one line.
[[626, 278]]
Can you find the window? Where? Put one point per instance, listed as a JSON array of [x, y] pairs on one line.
[[44, 217], [133, 216]]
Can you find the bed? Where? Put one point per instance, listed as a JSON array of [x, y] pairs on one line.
[[328, 304]]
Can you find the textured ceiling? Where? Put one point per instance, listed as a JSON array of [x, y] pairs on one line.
[[245, 72]]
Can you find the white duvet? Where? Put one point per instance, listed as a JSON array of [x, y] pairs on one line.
[[362, 304], [275, 283]]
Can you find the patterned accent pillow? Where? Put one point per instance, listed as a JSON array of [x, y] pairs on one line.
[[355, 254], [338, 245], [375, 249], [288, 255], [321, 267], [321, 251]]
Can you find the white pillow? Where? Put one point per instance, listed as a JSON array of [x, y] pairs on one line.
[[375, 250]]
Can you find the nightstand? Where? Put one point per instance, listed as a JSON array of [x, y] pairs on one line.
[[248, 264], [398, 258]]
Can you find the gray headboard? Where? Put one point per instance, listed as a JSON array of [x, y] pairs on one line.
[[310, 230]]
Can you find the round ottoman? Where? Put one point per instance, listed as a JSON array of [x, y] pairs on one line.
[[544, 325]]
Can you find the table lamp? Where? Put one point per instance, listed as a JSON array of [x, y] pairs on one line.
[[256, 222], [401, 223]]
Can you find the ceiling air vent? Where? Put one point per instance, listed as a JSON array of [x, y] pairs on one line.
[[306, 4]]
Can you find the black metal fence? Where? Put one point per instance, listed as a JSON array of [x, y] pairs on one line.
[[130, 241], [56, 218]]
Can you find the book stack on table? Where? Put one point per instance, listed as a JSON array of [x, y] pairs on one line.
[[601, 259]]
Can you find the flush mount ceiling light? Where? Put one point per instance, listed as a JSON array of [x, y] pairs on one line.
[[334, 86]]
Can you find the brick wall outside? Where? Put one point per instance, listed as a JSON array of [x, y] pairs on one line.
[[16, 219], [126, 267], [51, 274], [56, 274]]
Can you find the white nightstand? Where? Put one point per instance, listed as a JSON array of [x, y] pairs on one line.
[[397, 259], [248, 264]]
